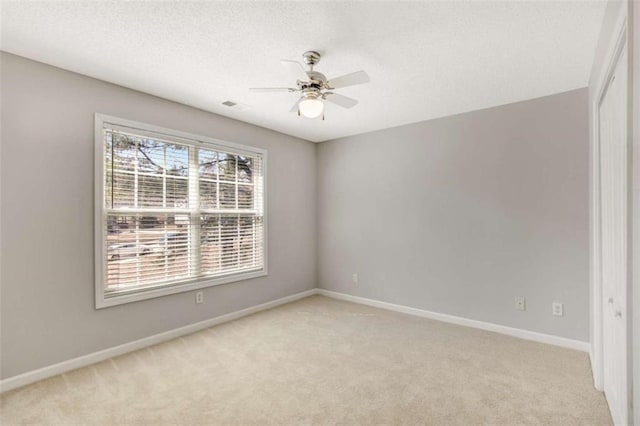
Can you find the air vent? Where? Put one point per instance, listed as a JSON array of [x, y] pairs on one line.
[[236, 105]]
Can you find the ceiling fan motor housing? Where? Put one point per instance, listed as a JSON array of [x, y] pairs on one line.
[[317, 82]]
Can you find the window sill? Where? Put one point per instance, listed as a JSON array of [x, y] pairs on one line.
[[106, 300]]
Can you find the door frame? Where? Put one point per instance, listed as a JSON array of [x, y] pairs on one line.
[[634, 107], [613, 53]]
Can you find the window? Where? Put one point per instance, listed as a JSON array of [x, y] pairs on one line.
[[174, 211]]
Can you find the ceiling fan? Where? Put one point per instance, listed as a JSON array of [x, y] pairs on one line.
[[314, 87]]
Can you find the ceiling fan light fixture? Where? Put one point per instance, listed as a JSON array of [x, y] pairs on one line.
[[311, 107]]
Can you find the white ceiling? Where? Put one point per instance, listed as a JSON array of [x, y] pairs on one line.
[[425, 59]]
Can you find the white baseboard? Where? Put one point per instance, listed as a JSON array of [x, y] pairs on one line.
[[515, 332], [92, 358], [597, 383], [82, 361]]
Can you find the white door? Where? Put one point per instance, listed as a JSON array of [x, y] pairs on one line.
[[614, 230]]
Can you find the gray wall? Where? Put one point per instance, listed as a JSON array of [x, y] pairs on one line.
[[47, 303], [461, 214]]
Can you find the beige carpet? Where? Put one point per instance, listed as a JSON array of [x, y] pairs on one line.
[[322, 361]]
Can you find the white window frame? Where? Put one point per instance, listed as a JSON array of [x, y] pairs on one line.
[[102, 300]]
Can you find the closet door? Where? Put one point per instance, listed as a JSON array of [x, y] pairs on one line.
[[614, 229]]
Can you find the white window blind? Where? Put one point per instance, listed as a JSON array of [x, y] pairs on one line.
[[177, 213]]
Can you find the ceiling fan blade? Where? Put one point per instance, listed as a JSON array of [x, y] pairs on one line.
[[271, 89], [343, 101], [295, 69], [295, 106], [358, 77]]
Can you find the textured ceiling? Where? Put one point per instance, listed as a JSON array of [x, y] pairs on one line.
[[425, 59]]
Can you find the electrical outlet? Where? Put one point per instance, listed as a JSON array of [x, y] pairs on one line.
[[557, 309], [354, 278], [199, 297], [520, 303]]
